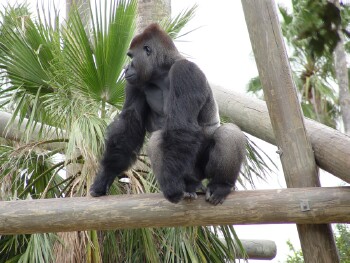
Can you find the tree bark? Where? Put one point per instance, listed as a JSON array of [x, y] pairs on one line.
[[287, 121], [341, 71], [84, 10], [294, 205], [150, 11]]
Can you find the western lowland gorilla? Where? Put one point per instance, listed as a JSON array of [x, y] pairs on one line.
[[169, 97]]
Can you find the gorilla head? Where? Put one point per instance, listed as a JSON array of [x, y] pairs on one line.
[[152, 52]]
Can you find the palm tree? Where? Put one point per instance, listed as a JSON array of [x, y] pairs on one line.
[[64, 84], [150, 11]]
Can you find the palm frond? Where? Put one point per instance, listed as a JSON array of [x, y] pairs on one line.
[[29, 171], [39, 249], [174, 26], [98, 63], [257, 166]]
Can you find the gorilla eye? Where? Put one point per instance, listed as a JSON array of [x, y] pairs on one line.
[[147, 49], [129, 54]]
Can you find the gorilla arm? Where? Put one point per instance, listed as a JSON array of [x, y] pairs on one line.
[[182, 137], [125, 136]]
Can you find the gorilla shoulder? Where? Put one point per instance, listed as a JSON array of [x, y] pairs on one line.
[[190, 74]]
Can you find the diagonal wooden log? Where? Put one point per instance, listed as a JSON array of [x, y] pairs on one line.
[[294, 205], [331, 147]]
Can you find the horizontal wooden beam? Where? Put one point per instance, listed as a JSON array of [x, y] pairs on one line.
[[331, 147], [294, 205]]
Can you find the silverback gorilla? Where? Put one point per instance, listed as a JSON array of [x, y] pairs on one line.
[[169, 97]]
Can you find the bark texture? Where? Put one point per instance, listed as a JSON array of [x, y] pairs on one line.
[[150, 11]]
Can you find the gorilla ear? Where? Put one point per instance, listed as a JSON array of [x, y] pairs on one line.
[[147, 49]]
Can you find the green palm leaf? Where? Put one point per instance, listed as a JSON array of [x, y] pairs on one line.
[[98, 59]]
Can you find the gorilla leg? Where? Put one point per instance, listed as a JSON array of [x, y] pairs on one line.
[[176, 180], [225, 159], [173, 191], [154, 152], [193, 184]]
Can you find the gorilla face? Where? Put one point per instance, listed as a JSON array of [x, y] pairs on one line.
[[140, 69], [152, 53]]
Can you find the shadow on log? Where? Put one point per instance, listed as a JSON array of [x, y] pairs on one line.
[[294, 205]]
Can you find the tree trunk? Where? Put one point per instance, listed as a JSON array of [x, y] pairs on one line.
[[287, 121], [84, 11], [312, 205], [341, 70], [83, 7], [150, 11]]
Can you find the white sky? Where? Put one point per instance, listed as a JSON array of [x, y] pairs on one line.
[[221, 48]]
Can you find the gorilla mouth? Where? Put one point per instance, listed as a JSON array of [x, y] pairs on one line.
[[130, 76]]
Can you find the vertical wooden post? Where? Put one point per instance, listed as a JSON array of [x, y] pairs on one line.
[[296, 154]]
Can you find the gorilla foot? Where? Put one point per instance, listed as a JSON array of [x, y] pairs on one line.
[[174, 196], [217, 193], [97, 190], [190, 196], [96, 194]]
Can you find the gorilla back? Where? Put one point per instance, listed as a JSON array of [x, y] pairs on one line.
[[169, 97]]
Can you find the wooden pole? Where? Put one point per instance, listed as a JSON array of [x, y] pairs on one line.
[[294, 205], [296, 153]]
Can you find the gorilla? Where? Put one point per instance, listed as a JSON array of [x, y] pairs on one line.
[[170, 98]]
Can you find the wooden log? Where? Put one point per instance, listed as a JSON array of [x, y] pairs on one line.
[[259, 249], [331, 147], [256, 249], [294, 205], [287, 121]]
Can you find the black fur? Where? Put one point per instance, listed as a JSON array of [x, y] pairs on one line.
[[125, 136], [169, 97]]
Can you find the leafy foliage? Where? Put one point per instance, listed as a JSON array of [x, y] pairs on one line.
[[342, 239], [296, 257], [319, 23], [312, 32]]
